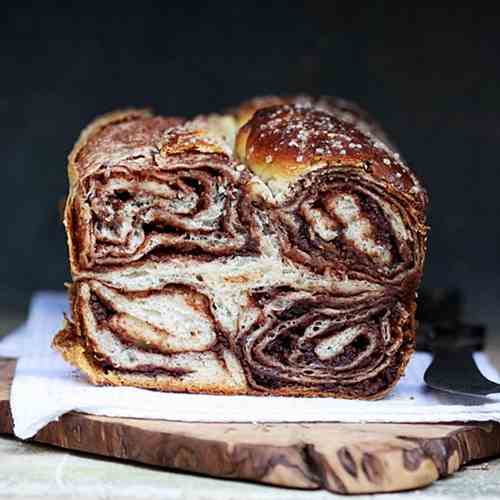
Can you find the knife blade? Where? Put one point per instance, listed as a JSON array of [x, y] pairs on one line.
[[453, 368]]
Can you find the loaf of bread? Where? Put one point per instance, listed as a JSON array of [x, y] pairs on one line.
[[275, 249]]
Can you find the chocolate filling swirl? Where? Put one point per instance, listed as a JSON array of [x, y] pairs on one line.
[[343, 224], [311, 341], [167, 199]]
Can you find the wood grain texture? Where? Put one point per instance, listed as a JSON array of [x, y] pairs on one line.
[[344, 458]]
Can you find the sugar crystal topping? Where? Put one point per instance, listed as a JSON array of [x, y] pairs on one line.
[[304, 135], [307, 132]]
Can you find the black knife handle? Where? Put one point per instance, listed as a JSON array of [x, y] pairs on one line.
[[451, 336]]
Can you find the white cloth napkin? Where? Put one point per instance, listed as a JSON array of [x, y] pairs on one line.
[[45, 387]]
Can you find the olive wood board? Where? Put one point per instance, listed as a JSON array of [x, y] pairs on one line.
[[340, 457]]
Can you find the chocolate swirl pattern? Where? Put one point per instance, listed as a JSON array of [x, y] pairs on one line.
[[305, 342], [273, 250], [161, 186]]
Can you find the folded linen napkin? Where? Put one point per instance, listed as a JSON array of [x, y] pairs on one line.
[[45, 387]]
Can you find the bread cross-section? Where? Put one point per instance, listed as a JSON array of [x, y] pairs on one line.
[[273, 250]]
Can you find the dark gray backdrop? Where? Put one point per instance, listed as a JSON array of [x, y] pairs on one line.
[[430, 76]]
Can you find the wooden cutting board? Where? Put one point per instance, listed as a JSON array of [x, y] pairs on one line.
[[345, 458]]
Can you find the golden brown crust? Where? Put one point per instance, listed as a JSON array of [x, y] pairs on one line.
[[282, 143], [342, 109]]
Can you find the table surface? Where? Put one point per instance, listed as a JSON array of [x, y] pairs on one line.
[[36, 471]]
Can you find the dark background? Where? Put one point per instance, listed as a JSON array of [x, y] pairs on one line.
[[430, 76]]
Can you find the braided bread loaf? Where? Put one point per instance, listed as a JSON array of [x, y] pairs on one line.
[[276, 249]]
